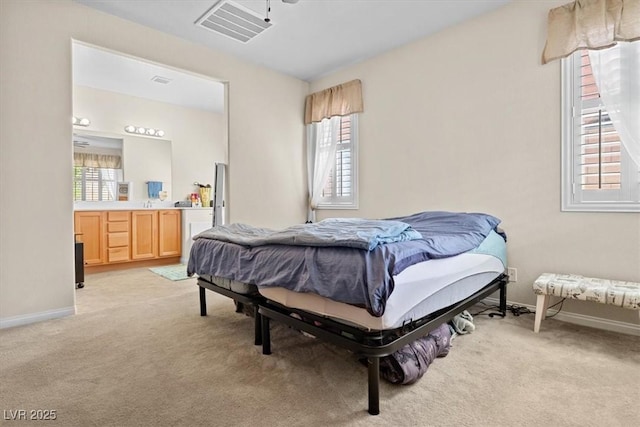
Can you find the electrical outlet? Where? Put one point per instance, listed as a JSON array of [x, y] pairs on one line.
[[513, 274]]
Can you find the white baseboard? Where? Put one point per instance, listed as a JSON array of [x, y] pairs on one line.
[[581, 319], [25, 319]]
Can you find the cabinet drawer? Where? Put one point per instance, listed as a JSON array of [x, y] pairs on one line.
[[117, 239], [117, 215], [118, 254], [117, 226]]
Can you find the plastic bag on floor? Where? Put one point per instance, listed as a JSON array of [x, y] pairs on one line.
[[409, 364]]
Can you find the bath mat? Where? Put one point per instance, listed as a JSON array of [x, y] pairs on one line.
[[172, 272]]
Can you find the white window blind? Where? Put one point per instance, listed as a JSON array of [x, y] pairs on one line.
[[598, 174], [341, 187]]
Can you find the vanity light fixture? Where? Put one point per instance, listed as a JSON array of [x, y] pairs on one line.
[[144, 131], [81, 121]]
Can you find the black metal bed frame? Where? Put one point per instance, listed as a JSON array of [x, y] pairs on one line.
[[252, 300], [369, 344]]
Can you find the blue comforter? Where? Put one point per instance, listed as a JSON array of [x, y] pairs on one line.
[[353, 276], [348, 232]]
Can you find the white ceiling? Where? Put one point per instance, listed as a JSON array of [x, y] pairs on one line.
[[83, 141], [101, 69], [310, 38]]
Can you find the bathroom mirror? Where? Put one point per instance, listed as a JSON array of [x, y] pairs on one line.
[[124, 158]]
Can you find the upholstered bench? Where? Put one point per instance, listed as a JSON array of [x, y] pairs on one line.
[[572, 286]]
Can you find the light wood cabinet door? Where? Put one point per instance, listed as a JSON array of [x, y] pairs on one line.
[[169, 233], [144, 234], [89, 229]]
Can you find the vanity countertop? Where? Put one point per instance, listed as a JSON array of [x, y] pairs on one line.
[[129, 206], [118, 208]]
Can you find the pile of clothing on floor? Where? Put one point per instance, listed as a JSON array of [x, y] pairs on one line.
[[409, 364]]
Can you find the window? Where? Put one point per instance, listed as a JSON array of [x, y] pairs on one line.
[[340, 191], [598, 172], [95, 184]]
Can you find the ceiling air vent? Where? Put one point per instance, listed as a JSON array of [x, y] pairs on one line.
[[233, 20], [161, 80]]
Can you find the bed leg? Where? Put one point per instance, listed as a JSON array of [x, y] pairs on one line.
[[503, 298], [257, 326], [239, 306], [266, 339], [203, 302], [502, 308], [374, 385]]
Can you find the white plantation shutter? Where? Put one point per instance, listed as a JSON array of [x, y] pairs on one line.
[[598, 173], [340, 189], [339, 183], [600, 147], [95, 184], [600, 155]]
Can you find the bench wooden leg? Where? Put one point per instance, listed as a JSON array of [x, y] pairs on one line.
[[547, 303], [541, 311]]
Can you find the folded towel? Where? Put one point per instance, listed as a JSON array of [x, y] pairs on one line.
[[154, 188], [463, 323]]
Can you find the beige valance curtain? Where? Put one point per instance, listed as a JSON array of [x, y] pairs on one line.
[[592, 24], [93, 160], [338, 100]]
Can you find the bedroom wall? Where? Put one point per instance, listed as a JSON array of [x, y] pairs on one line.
[[198, 137], [266, 175], [469, 120]]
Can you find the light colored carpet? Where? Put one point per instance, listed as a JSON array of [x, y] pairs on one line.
[[172, 272], [139, 354]]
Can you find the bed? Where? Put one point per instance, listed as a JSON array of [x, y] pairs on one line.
[[371, 297]]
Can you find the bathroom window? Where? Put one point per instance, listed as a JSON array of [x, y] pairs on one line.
[[95, 184]]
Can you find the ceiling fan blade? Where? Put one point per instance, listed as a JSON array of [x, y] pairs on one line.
[[290, 1]]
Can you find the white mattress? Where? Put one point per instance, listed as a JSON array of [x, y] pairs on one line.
[[419, 290]]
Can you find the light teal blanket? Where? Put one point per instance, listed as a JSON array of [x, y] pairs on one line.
[[494, 245]]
